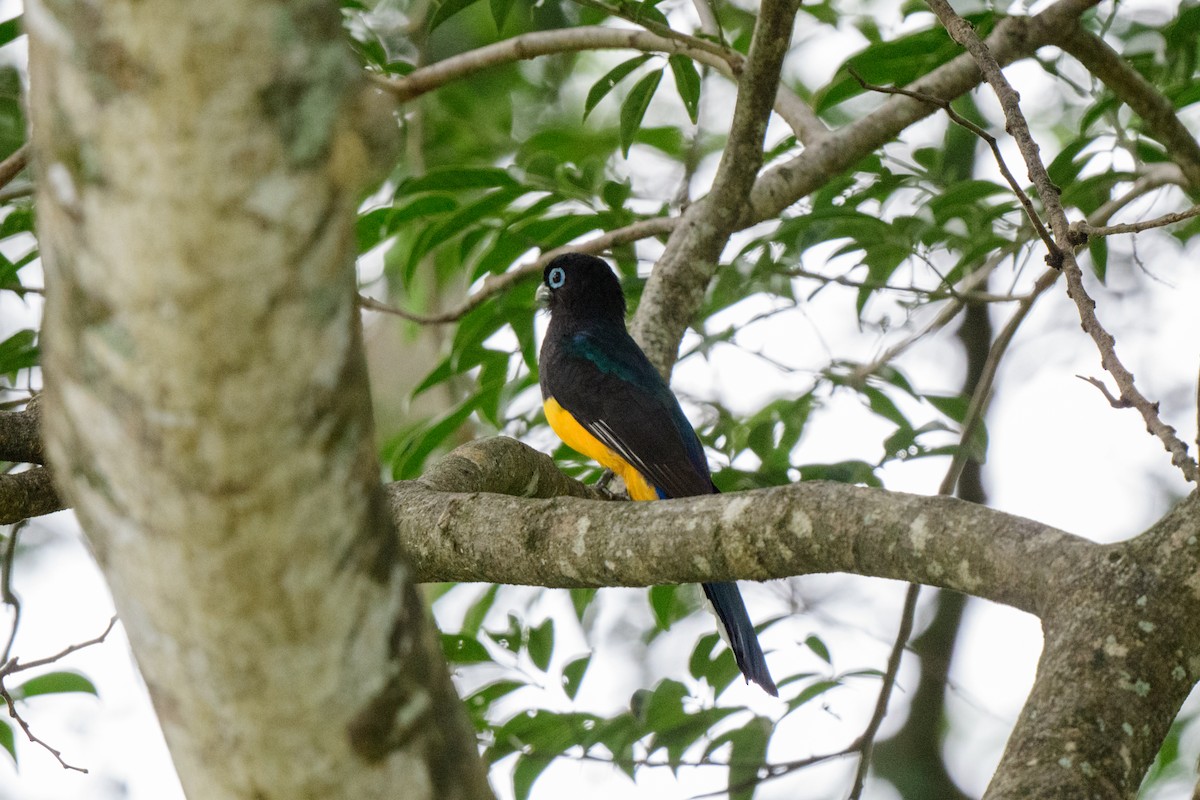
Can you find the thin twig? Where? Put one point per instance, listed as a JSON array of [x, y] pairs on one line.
[[494, 284], [930, 294], [12, 712], [13, 665], [866, 742], [945, 314], [959, 119], [6, 591], [19, 289], [983, 389], [1115, 402], [1136, 227]]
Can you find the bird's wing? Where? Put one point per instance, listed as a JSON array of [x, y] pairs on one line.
[[609, 386]]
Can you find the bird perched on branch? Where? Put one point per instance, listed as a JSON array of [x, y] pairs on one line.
[[605, 399]]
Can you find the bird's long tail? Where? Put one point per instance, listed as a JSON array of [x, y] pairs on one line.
[[739, 632]]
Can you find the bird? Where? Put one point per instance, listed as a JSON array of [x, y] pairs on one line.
[[604, 399]]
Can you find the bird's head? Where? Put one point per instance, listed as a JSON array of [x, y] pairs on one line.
[[582, 286]]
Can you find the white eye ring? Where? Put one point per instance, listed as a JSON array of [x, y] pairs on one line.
[[556, 278]]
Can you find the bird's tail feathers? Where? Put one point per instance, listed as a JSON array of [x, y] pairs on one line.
[[739, 633]]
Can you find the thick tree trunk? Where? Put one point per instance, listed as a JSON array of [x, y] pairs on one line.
[[206, 406]]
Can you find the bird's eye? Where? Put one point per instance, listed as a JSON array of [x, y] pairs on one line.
[[556, 278]]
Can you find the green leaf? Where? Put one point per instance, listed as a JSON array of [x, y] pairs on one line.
[[460, 649], [1098, 248], [526, 772], [634, 109], [473, 619], [500, 9], [457, 179], [842, 472], [718, 671], [54, 683], [573, 674], [747, 757], [812, 691], [512, 638], [11, 28], [606, 84], [687, 83], [667, 606], [581, 600], [446, 10], [19, 351], [953, 406], [7, 741], [814, 643], [541, 644]]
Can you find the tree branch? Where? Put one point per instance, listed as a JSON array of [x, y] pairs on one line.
[[21, 434], [677, 284], [801, 529], [28, 494]]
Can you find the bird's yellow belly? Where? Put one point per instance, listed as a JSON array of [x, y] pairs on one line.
[[577, 438]]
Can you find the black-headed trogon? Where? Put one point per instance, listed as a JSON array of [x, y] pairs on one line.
[[605, 399]]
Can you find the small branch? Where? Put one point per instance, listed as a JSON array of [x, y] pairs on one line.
[[866, 742], [943, 318], [1115, 402], [12, 712], [12, 166], [6, 591], [542, 43], [26, 494], [494, 284], [1155, 176], [13, 666], [1135, 227], [958, 119], [928, 294]]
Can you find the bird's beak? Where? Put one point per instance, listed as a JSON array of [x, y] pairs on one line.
[[543, 296]]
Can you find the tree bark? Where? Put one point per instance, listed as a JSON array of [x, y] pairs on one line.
[[206, 409]]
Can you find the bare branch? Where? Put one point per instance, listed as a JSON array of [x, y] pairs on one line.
[[1115, 402], [983, 391], [1136, 227]]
